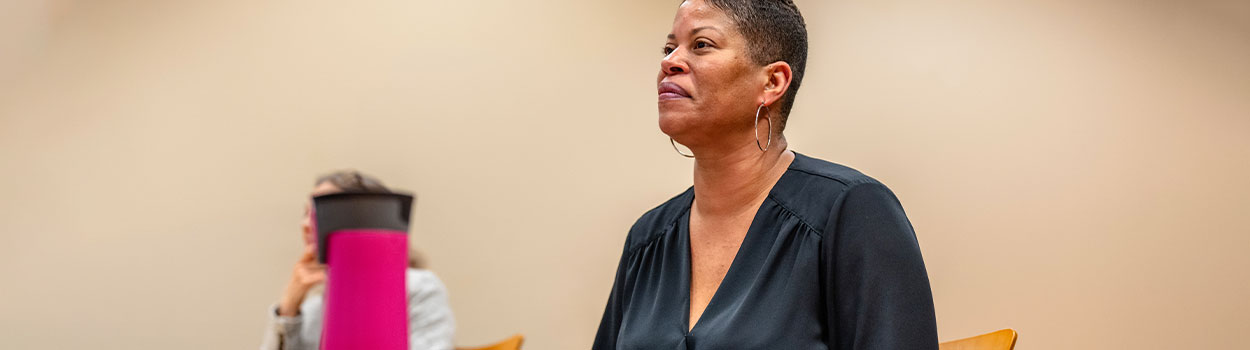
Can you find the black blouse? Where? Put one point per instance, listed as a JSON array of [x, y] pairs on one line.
[[829, 262]]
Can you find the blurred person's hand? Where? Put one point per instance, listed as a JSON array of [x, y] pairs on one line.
[[306, 274]]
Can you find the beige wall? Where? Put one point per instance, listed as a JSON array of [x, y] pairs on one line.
[[1075, 170]]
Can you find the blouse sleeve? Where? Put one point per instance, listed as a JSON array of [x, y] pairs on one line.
[[610, 325], [875, 285], [283, 332]]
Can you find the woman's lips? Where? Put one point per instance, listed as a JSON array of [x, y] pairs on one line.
[[670, 96], [670, 91]]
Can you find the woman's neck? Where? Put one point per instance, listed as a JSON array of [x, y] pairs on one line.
[[736, 180]]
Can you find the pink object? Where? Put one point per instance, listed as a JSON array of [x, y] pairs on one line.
[[366, 299]]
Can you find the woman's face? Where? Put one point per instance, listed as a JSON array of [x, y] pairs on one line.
[[708, 85], [310, 236]]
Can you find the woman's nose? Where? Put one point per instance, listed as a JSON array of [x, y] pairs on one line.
[[673, 64]]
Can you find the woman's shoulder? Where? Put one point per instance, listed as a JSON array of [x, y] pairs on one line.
[[423, 281], [811, 187], [827, 174], [658, 220]]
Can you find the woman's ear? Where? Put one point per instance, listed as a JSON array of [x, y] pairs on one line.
[[778, 80]]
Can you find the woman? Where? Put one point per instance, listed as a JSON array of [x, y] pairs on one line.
[[769, 249], [297, 319]]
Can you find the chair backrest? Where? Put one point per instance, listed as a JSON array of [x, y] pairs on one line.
[[512, 343], [1004, 339]]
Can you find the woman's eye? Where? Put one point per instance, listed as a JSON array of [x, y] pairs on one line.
[[700, 45], [668, 50]]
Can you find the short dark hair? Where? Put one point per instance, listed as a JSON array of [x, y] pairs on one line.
[[775, 31]]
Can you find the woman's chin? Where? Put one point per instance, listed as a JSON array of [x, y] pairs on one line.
[[674, 124]]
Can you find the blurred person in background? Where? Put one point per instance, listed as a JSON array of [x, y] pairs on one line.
[[770, 249], [296, 321]]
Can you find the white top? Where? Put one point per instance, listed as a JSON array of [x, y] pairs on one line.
[[430, 322]]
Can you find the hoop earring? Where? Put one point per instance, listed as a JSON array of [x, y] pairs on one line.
[[674, 143], [763, 148]]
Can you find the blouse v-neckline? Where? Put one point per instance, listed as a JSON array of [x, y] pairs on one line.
[[687, 256]]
